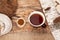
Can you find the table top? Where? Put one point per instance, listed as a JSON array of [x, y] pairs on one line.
[[25, 7]]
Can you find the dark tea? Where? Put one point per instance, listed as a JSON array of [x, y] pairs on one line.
[[20, 21], [36, 19]]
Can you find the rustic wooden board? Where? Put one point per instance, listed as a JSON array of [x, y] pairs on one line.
[[25, 7]]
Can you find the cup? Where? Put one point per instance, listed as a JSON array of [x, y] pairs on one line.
[[36, 18], [21, 22]]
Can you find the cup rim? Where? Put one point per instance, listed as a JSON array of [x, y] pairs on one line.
[[20, 26], [36, 12]]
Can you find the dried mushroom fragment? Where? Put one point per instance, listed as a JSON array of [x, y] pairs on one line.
[[48, 8], [57, 20], [57, 1], [57, 23]]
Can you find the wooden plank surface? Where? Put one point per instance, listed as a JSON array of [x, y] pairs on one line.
[[25, 7]]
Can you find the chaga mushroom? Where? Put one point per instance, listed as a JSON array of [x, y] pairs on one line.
[[56, 23], [8, 7], [57, 20], [5, 24]]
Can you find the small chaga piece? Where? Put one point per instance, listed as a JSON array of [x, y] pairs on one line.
[[8, 7], [57, 2], [47, 8], [57, 20]]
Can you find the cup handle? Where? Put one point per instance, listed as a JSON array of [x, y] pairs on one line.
[[44, 25]]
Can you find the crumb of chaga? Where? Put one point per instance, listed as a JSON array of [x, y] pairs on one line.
[[57, 20], [48, 8], [57, 23], [57, 3]]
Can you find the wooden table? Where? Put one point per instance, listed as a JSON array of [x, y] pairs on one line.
[[25, 7]]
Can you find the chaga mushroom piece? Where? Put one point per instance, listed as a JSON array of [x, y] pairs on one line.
[[8, 7], [57, 23], [57, 20]]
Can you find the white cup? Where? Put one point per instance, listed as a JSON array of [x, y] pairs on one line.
[[36, 12], [22, 25]]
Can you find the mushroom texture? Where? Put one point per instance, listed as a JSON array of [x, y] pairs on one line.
[[5, 24], [8, 7]]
